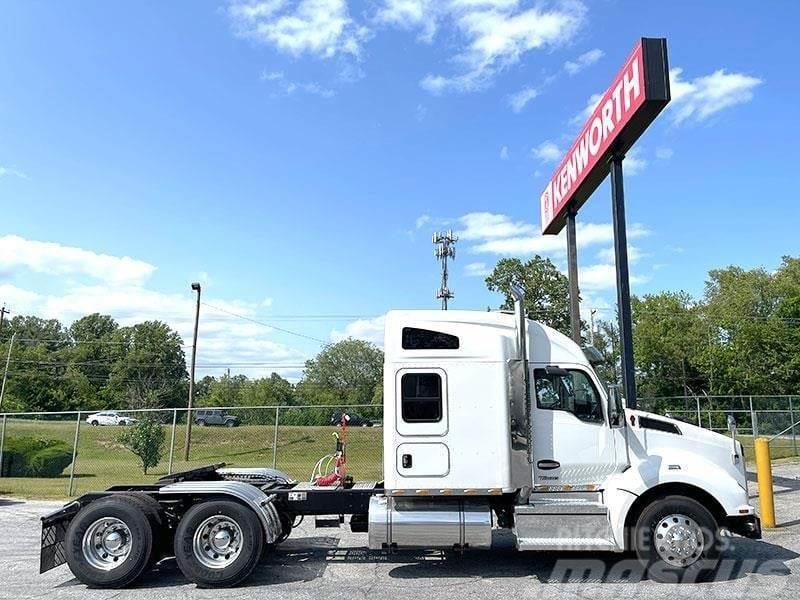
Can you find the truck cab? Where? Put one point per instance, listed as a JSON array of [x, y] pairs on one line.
[[490, 413]]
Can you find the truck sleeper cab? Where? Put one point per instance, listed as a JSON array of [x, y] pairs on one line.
[[490, 420]]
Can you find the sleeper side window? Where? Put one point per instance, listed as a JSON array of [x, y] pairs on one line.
[[571, 391], [425, 339], [421, 397]]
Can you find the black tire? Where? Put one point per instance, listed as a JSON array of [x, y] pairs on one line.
[[132, 566], [155, 516], [250, 549], [230, 423], [664, 514], [94, 423], [200, 423]]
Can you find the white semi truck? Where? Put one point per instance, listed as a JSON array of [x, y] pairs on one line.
[[490, 421]]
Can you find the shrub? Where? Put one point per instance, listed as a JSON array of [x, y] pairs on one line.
[[146, 439], [35, 457]]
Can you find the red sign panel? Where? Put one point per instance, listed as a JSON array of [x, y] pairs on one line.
[[634, 98]]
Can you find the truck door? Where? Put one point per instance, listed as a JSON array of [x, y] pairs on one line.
[[422, 423], [573, 444]]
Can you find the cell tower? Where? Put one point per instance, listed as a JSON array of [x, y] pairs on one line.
[[444, 248]]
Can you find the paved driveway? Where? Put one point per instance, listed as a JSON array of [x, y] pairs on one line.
[[334, 564]]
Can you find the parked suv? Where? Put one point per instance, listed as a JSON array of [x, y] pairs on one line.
[[109, 417], [214, 417]]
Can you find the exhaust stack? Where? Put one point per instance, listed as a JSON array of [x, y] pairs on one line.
[[522, 338]]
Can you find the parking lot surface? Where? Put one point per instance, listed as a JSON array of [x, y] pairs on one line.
[[335, 564]]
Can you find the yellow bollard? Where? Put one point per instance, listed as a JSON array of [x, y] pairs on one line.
[[764, 474]]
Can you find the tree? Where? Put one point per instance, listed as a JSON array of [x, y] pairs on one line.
[[38, 363], [150, 367], [92, 356], [668, 337], [347, 372], [146, 439], [753, 338], [546, 289]]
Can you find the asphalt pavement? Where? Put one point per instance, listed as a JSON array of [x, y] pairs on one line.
[[335, 564]]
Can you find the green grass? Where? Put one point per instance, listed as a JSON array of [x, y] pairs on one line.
[[103, 462]]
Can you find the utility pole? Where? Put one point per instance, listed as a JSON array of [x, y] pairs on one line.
[[3, 312], [445, 247], [5, 373], [196, 288]]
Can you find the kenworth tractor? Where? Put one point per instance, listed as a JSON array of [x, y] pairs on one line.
[[490, 421]]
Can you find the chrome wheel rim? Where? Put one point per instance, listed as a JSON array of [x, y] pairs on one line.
[[107, 543], [217, 542], [678, 540]]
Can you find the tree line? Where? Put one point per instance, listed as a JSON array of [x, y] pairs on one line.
[[94, 364], [742, 336]]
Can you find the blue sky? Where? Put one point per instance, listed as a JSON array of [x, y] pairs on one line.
[[295, 156]]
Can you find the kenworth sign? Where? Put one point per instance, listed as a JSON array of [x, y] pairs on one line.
[[637, 94]]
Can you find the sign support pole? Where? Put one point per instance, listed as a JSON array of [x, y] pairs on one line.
[[572, 271], [623, 281]]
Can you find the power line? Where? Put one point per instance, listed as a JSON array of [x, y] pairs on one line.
[[271, 326]]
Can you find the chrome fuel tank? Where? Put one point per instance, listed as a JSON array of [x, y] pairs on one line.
[[429, 523]]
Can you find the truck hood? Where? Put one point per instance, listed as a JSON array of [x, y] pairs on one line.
[[676, 442]]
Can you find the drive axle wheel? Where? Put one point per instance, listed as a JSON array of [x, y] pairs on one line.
[[218, 543], [109, 543], [677, 539]]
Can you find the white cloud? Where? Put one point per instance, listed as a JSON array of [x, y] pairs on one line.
[[586, 112], [85, 282], [370, 330], [603, 277], [504, 153], [477, 269], [606, 255], [486, 225], [520, 100], [421, 221], [421, 112], [56, 259], [322, 28], [499, 234], [6, 171], [584, 60], [289, 87], [664, 153], [547, 152], [634, 162], [703, 97], [497, 34], [410, 14]]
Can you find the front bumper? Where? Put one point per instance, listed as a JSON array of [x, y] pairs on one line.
[[748, 526]]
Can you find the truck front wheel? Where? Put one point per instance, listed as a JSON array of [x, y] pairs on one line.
[[109, 543], [218, 543], [677, 540]]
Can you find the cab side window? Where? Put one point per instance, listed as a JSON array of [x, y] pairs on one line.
[[571, 391], [421, 400]]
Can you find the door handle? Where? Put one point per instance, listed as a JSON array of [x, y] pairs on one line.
[[406, 460], [547, 464]]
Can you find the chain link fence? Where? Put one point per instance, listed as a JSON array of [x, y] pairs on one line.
[[773, 417], [52, 455]]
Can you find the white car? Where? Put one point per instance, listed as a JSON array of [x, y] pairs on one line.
[[109, 417]]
